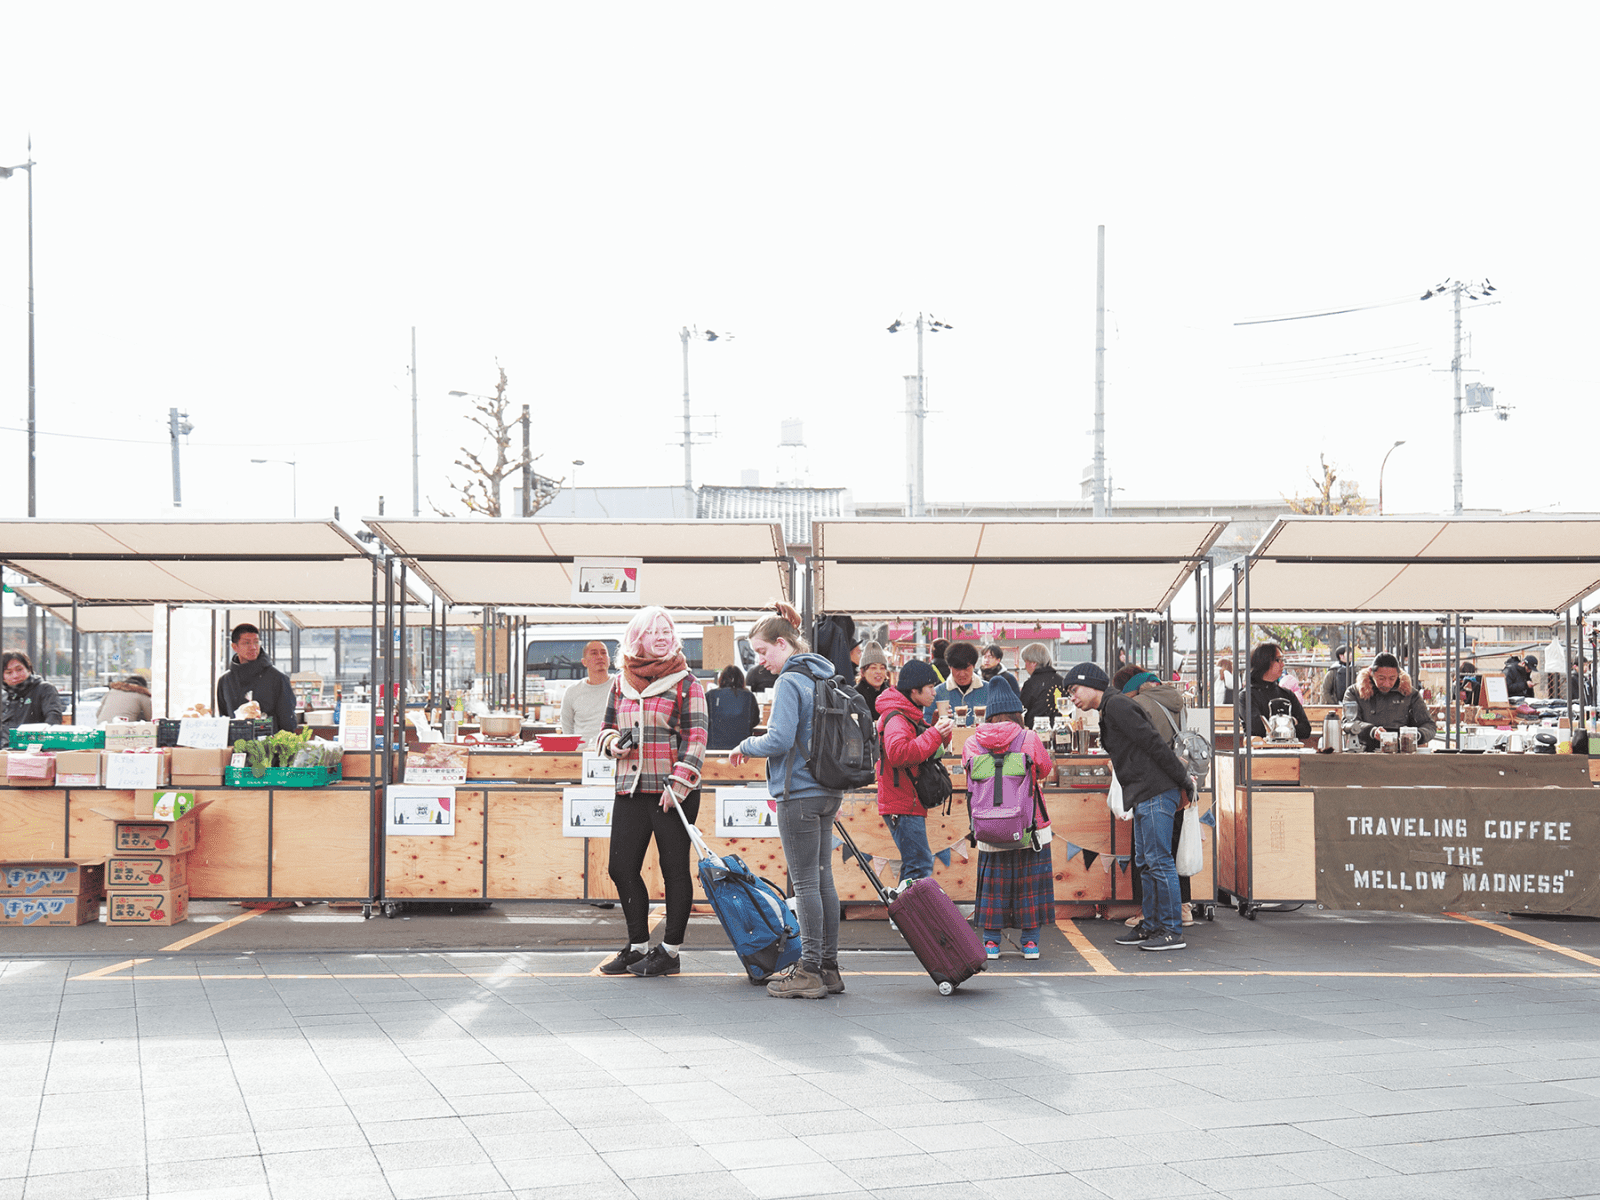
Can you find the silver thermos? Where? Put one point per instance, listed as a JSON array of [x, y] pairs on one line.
[[1332, 735]]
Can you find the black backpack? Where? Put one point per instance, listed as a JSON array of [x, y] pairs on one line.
[[932, 778], [843, 754]]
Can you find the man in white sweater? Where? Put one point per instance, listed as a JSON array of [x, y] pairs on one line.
[[583, 706]]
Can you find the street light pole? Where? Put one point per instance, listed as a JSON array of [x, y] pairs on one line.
[[1385, 463], [416, 487], [684, 335], [916, 414], [33, 455], [294, 476]]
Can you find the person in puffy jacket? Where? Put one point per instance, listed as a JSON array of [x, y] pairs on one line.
[[1386, 699], [874, 675], [1016, 887], [908, 741], [806, 809], [127, 700], [29, 700]]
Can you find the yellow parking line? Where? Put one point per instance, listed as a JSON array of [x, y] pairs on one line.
[[1082, 944], [103, 972], [1529, 938], [185, 943]]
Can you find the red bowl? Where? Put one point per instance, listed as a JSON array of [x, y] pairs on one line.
[[560, 743]]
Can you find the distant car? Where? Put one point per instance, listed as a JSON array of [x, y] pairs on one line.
[[88, 706]]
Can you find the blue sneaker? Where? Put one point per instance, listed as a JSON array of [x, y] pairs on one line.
[[1030, 949], [991, 950]]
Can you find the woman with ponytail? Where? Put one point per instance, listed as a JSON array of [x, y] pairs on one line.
[[662, 707], [806, 809]]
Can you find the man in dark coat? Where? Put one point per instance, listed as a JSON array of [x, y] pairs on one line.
[[1519, 680], [253, 677], [1155, 786]]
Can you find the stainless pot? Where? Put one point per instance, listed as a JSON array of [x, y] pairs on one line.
[[500, 725]]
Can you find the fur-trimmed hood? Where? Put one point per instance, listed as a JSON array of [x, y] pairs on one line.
[[1367, 690]]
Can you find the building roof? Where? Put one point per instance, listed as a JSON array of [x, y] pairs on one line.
[[795, 507]]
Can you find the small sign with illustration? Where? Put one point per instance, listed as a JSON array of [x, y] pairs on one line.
[[603, 579], [586, 811], [746, 812], [418, 810]]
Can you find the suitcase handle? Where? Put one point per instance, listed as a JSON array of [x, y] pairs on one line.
[[865, 863], [694, 833]]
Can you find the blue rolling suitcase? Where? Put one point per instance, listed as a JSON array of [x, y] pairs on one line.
[[753, 913]]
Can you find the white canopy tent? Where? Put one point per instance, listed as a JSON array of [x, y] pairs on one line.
[[105, 618], [1026, 568], [728, 567]]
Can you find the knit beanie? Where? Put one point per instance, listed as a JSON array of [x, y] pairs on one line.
[[1002, 697], [872, 655], [1087, 674], [915, 674]]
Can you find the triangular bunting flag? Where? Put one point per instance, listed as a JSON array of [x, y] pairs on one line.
[[943, 856], [1209, 817], [1088, 858], [1073, 851], [1123, 862], [878, 864]]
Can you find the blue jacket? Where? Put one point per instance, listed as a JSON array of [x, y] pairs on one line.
[[733, 713], [977, 693], [788, 734]]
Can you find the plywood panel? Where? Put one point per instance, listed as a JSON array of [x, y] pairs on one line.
[[322, 843], [1283, 847], [1277, 768], [528, 857], [716, 767], [1083, 820], [440, 868], [1594, 770], [33, 824], [90, 834], [229, 860], [533, 768]]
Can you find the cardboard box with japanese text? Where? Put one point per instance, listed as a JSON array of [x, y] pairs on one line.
[[80, 768], [134, 907]]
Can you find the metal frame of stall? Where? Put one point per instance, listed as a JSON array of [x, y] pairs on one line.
[[401, 556], [116, 545], [1123, 627], [1404, 622]]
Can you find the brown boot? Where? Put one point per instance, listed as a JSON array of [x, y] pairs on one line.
[[831, 977], [797, 982]]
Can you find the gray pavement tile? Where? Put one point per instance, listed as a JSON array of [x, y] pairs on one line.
[[524, 1144], [1290, 1191], [244, 1191], [1399, 1128], [1458, 1154], [608, 1189], [1228, 1175], [1149, 1182], [74, 1185], [165, 1149], [705, 1185], [973, 1135], [433, 1152], [562, 1170], [792, 1183], [633, 1165], [210, 1172], [1006, 1164], [416, 1183], [603, 1139], [537, 1122], [315, 1137], [294, 1165], [768, 1152], [1325, 1166], [960, 1190], [1265, 1139], [365, 1186], [58, 1132], [308, 1117], [90, 1156], [401, 1129], [1430, 1185]]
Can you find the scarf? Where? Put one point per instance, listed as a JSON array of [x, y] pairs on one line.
[[22, 689], [1138, 681], [642, 672]]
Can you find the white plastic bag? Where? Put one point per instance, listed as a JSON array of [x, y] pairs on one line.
[[1114, 801], [1189, 857]]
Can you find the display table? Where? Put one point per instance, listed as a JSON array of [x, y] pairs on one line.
[[1417, 833]]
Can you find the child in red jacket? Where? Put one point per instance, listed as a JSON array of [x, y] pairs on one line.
[[907, 743]]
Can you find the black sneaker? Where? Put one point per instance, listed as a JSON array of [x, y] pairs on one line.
[[624, 959], [657, 962], [1135, 936], [1163, 941], [831, 977]]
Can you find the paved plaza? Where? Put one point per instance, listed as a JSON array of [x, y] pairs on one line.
[[311, 1054]]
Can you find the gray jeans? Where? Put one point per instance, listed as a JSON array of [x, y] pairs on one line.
[[805, 825]]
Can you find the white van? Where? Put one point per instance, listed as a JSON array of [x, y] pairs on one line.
[[555, 653]]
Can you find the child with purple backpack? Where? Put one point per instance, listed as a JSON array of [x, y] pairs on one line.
[[1016, 885]]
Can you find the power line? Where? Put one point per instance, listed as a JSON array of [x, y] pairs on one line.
[[1332, 312], [89, 437]]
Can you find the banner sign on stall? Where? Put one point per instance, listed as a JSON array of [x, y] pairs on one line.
[[420, 810], [586, 811], [355, 726], [1458, 849], [605, 580], [744, 812], [598, 770]]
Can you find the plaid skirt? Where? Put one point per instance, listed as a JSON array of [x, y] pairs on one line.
[[1016, 890]]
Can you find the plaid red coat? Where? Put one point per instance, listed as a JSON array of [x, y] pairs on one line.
[[670, 736]]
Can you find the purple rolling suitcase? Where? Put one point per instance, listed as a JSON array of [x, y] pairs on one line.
[[945, 944]]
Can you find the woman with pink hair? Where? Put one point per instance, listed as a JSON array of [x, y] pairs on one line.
[[656, 728]]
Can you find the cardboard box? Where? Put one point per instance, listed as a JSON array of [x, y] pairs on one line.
[[146, 801], [80, 768], [197, 768], [54, 877], [166, 907], [139, 835], [147, 872], [48, 910], [131, 735], [137, 770], [30, 770]]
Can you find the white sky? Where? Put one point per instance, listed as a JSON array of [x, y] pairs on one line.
[[242, 210]]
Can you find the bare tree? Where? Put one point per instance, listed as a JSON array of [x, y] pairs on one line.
[[1331, 495], [480, 493]]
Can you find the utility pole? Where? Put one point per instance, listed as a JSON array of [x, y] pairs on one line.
[[178, 426], [416, 489], [916, 416], [684, 335], [33, 456], [1100, 379], [1455, 373]]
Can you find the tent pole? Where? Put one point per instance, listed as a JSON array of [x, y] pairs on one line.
[[75, 713], [405, 673]]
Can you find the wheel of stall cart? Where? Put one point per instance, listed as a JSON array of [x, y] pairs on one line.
[[366, 912], [390, 908], [946, 988], [1211, 912], [1249, 911]]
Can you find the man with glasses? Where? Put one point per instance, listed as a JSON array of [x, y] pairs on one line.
[[1155, 786], [251, 676]]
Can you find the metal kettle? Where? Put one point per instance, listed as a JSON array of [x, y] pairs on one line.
[[1280, 721], [1332, 735]]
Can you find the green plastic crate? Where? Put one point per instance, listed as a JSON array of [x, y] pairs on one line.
[[61, 737], [283, 777]]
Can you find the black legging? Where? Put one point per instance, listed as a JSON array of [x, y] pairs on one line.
[[634, 820]]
